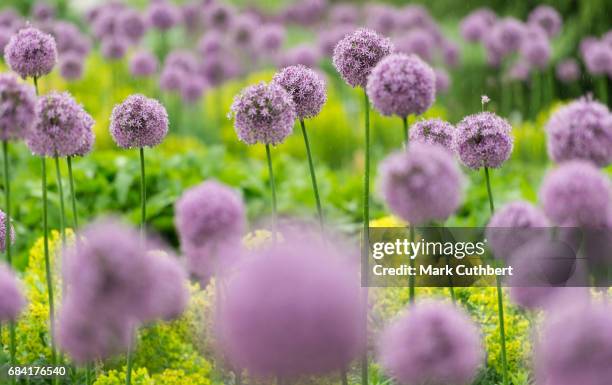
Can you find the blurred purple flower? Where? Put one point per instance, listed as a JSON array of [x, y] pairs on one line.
[[380, 17], [450, 53], [220, 16], [343, 13], [31, 53], [568, 70], [243, 30], [442, 81], [114, 48], [216, 69], [306, 87], [139, 122], [597, 57], [183, 60], [12, 300], [484, 140], [304, 54], [71, 66], [171, 79], [131, 25], [433, 131], [143, 63], [547, 18], [413, 16], [210, 43], [193, 90], [520, 71], [43, 12], [305, 12], [477, 24], [535, 48], [193, 16], [270, 37], [329, 38], [163, 15], [508, 34], [10, 18], [418, 42], [70, 39], [17, 107]]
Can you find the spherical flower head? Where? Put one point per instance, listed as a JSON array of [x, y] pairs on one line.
[[343, 13], [306, 87], [535, 48], [433, 131], [329, 38], [3, 231], [575, 345], [17, 107], [433, 343], [413, 16], [484, 140], [139, 122], [598, 58], [514, 225], [11, 297], [171, 79], [547, 18], [442, 81], [263, 113], [270, 37], [9, 17], [422, 184], [508, 34], [568, 70], [5, 37], [106, 24], [88, 143], [114, 48], [219, 68], [193, 90], [163, 15], [520, 71], [380, 17], [581, 130], [419, 42], [477, 24], [71, 66], [402, 85], [274, 321], [42, 12], [450, 52], [576, 194], [143, 63], [69, 38], [356, 55], [131, 25], [304, 54], [243, 30], [183, 60], [170, 290], [31, 53], [60, 126], [220, 16]]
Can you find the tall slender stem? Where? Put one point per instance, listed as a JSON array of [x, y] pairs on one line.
[[313, 176], [143, 193], [405, 126], [48, 273], [75, 216], [60, 189], [500, 297], [7, 239], [343, 377], [272, 189], [602, 85], [128, 369], [411, 278], [366, 230]]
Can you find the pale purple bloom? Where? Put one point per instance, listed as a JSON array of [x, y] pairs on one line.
[[10, 18], [31, 53], [139, 122], [220, 16], [263, 113], [70, 39], [88, 142], [17, 107], [5, 37], [433, 131], [402, 85], [413, 16], [418, 41], [171, 79], [193, 90], [274, 321], [421, 184], [508, 34], [43, 12], [343, 13], [143, 63], [114, 48], [520, 70], [163, 15], [547, 18], [270, 37], [450, 52], [131, 25], [3, 226], [210, 43], [442, 81], [358, 53], [192, 15], [218, 68], [477, 24], [433, 343], [304, 54], [598, 58], [305, 12], [586, 43], [60, 126], [380, 18], [576, 194], [243, 30], [306, 87], [329, 38], [71, 66], [105, 24], [12, 300], [581, 130], [568, 71], [535, 48], [171, 286], [183, 60], [484, 140]]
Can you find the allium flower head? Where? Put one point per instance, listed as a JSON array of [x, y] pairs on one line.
[[42, 12], [11, 297], [131, 24], [433, 343], [139, 122], [343, 13], [263, 113], [419, 42], [306, 87], [163, 15], [171, 79], [3, 231], [193, 90], [598, 58], [31, 53], [450, 52], [421, 184], [274, 321], [581, 130], [171, 287], [270, 37], [508, 34], [535, 48], [547, 18], [220, 16], [442, 80], [216, 69], [380, 17], [17, 107], [9, 17], [329, 38], [402, 85], [304, 54], [568, 70], [433, 131], [477, 24], [576, 194], [143, 63], [575, 345], [356, 55], [520, 70], [71, 66], [244, 28], [69, 38], [114, 48], [210, 43], [60, 127], [413, 16], [484, 140]]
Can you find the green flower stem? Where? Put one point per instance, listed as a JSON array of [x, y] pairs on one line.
[[143, 193], [366, 230], [344, 378], [313, 176], [500, 298], [411, 278], [535, 94], [75, 216], [60, 189], [128, 369], [405, 126], [272, 190], [602, 91], [7, 239], [48, 273]]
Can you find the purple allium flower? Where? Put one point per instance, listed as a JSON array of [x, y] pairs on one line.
[[210, 43], [31, 53], [450, 52], [274, 321], [171, 79], [171, 287], [304, 54], [329, 38], [218, 68], [5, 37], [185, 61], [422, 184], [358, 53], [143, 63], [418, 42], [193, 90], [70, 39], [380, 18], [163, 15], [87, 146], [42, 11], [598, 58], [586, 43], [243, 30], [17, 107], [520, 71], [71, 66], [105, 24], [131, 25], [433, 131], [568, 70], [306, 87], [343, 13], [413, 16], [477, 24], [575, 345], [11, 297], [114, 48], [484, 140], [508, 34], [10, 18], [514, 225], [535, 47], [263, 113], [576, 194], [60, 126], [547, 18], [433, 343], [3, 231], [442, 80], [220, 16], [270, 37], [192, 15], [306, 12], [402, 85], [581, 130], [139, 122]]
